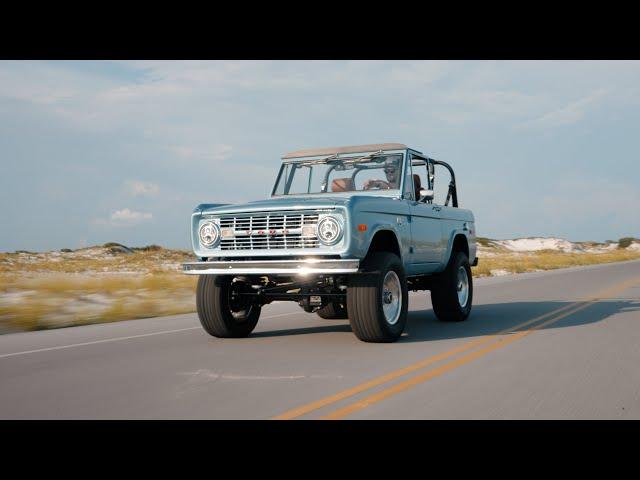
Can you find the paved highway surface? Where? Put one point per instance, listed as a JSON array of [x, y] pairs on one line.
[[563, 344]]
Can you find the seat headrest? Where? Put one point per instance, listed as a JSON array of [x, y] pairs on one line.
[[342, 185], [417, 185]]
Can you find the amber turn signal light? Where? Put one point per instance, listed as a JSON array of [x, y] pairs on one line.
[[362, 227]]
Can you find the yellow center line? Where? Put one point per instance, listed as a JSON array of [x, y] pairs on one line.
[[305, 409], [500, 343]]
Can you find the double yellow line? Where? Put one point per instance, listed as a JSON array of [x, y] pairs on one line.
[[494, 341]]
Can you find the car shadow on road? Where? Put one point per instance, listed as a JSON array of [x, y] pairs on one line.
[[485, 319], [492, 318], [333, 326]]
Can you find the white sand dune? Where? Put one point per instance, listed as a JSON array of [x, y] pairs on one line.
[[536, 244]]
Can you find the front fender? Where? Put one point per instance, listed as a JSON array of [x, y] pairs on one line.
[[206, 206], [378, 214]]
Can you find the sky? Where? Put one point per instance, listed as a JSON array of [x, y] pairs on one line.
[[100, 151]]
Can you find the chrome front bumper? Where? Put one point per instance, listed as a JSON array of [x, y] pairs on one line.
[[271, 267]]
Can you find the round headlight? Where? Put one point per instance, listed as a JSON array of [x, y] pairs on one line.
[[329, 230], [209, 234]]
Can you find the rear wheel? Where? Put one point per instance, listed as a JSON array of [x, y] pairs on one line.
[[377, 302], [452, 294], [222, 311], [333, 311]]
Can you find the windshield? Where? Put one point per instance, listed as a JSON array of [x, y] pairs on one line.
[[370, 173]]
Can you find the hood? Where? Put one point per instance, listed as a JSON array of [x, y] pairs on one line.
[[290, 202]]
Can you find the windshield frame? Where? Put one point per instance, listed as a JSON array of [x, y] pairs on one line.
[[322, 158]]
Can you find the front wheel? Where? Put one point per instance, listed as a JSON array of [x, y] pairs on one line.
[[452, 294], [377, 301], [222, 311]]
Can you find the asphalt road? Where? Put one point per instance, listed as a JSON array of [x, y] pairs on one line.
[[563, 344]]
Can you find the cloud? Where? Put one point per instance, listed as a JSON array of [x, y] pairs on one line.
[[138, 188], [128, 218], [210, 153], [568, 114], [47, 84], [163, 136], [494, 102]]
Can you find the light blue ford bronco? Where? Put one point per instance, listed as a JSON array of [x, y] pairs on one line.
[[347, 232]]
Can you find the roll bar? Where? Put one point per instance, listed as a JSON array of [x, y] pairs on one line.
[[453, 192]]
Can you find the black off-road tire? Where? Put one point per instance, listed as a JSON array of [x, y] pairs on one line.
[[215, 310], [444, 294], [333, 311], [365, 300]]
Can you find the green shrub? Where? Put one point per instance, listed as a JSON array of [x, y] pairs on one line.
[[625, 242], [484, 241], [148, 248], [113, 244]]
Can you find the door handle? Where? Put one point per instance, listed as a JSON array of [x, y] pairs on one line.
[[437, 208]]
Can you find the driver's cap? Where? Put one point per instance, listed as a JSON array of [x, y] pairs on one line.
[[391, 162]]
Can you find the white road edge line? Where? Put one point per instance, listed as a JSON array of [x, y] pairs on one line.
[[60, 347], [106, 340]]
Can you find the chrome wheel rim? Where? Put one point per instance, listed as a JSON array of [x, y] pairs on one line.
[[463, 287], [391, 297]]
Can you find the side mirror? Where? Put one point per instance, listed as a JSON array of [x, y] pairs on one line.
[[426, 194]]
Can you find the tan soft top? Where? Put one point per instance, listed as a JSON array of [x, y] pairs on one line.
[[312, 152]]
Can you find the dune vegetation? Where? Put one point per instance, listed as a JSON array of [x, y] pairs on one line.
[[113, 282], [94, 285], [521, 262]]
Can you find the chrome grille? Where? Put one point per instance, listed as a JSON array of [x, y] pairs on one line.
[[270, 231]]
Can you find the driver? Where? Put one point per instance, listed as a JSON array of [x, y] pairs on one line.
[[391, 171]]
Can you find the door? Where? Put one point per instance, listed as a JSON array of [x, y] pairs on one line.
[[426, 229]]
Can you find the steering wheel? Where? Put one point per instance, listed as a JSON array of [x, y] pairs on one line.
[[376, 185]]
